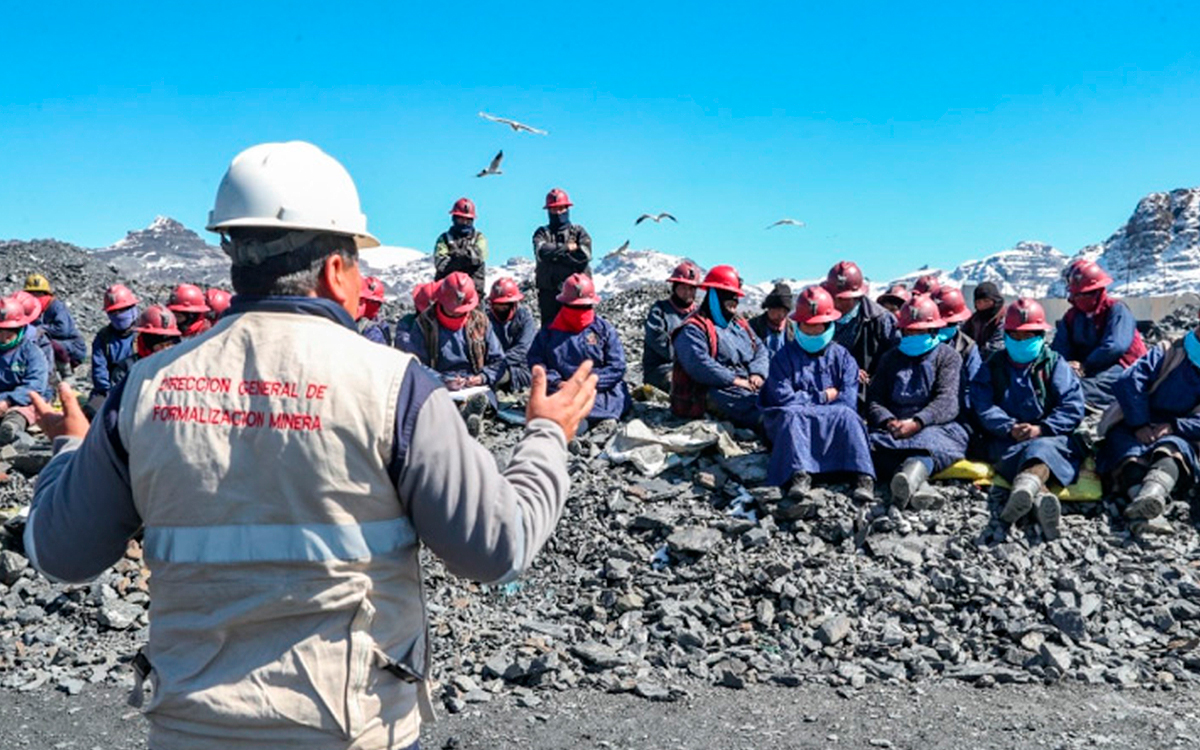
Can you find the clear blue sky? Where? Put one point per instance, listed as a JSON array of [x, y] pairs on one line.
[[902, 136]]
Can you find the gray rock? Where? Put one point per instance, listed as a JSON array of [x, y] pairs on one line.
[[750, 468], [597, 655], [12, 566], [1056, 656], [833, 630], [694, 540], [1070, 621]]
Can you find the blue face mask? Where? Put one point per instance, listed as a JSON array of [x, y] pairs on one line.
[[123, 320], [813, 343], [851, 313], [714, 307], [1023, 352], [1191, 345], [916, 345], [948, 333]]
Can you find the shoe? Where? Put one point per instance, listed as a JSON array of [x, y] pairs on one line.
[[908, 482], [1151, 498], [799, 486], [1049, 514], [474, 424], [1020, 500], [1152, 527], [477, 404], [927, 498], [864, 489]]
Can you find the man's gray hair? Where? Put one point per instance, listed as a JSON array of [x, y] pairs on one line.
[[295, 273]]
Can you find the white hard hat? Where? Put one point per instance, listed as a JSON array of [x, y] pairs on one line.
[[292, 185]]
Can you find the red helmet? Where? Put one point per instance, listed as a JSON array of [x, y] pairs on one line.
[[456, 294], [157, 320], [1025, 315], [12, 314], [423, 295], [1086, 276], [218, 300], [118, 297], [579, 290], [897, 293], [30, 304], [558, 198], [919, 314], [725, 278], [505, 290], [845, 280], [927, 284], [951, 304], [187, 298], [815, 305], [372, 289], [686, 272], [463, 207]]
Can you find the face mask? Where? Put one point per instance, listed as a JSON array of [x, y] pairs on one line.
[[851, 313], [813, 343], [122, 320], [921, 343], [14, 343], [714, 308], [1087, 305], [1191, 345], [1023, 352], [948, 333], [461, 230], [560, 220]]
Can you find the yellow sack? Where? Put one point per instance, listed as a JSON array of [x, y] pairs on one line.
[[1086, 489]]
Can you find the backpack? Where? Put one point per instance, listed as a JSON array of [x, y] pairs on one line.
[[689, 399], [1042, 371], [476, 329]]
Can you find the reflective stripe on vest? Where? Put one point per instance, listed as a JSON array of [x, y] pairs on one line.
[[278, 542]]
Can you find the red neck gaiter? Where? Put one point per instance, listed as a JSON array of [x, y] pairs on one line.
[[45, 301], [573, 319], [449, 323]]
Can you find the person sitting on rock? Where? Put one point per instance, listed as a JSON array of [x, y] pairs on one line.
[[422, 296], [664, 316], [191, 310], [894, 298], [866, 329], [1098, 335], [454, 339], [577, 334], [55, 321], [218, 301], [952, 308], [810, 406], [23, 370], [112, 348], [157, 328], [1029, 402], [370, 299], [772, 325], [720, 365], [1153, 430], [514, 326], [912, 407], [986, 325], [33, 309], [462, 247]]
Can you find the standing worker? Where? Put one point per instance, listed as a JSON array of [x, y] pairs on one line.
[[560, 249], [462, 247], [304, 506]]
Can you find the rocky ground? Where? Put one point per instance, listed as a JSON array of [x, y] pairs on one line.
[[692, 585]]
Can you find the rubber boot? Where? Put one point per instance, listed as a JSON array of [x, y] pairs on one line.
[[1049, 515], [908, 481], [864, 489], [799, 486], [11, 427], [1151, 499], [1025, 488]]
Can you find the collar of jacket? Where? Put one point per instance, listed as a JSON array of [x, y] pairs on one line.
[[318, 306]]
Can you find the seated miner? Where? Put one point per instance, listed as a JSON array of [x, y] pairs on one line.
[[894, 298], [33, 309], [912, 407], [112, 348], [23, 370], [986, 324], [218, 301], [810, 406], [515, 327], [1029, 402], [1098, 335], [454, 339], [927, 284], [952, 308], [157, 328], [1152, 433], [55, 321], [370, 299], [772, 325], [422, 297], [720, 365], [191, 310], [866, 329], [576, 335], [665, 315]]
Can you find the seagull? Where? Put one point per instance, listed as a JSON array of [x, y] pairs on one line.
[[516, 126], [788, 222], [656, 219], [621, 249], [494, 167]]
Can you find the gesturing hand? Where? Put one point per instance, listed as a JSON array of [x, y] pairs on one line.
[[567, 407], [69, 423]]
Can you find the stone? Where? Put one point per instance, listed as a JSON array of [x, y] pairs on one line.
[[597, 655], [833, 630], [1070, 621], [12, 566], [694, 540], [1056, 656], [756, 537], [652, 691], [751, 468]]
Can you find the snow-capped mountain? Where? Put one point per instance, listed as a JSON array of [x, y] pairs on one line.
[[167, 252], [1030, 269]]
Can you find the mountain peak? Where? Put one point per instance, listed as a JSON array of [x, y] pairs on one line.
[[169, 252]]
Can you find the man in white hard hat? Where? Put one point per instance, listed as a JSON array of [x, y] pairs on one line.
[[285, 471]]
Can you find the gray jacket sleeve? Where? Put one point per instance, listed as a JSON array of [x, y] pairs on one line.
[[484, 523]]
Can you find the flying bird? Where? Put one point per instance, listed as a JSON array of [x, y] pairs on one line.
[[656, 218], [516, 126], [624, 246], [494, 167], [788, 222]]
